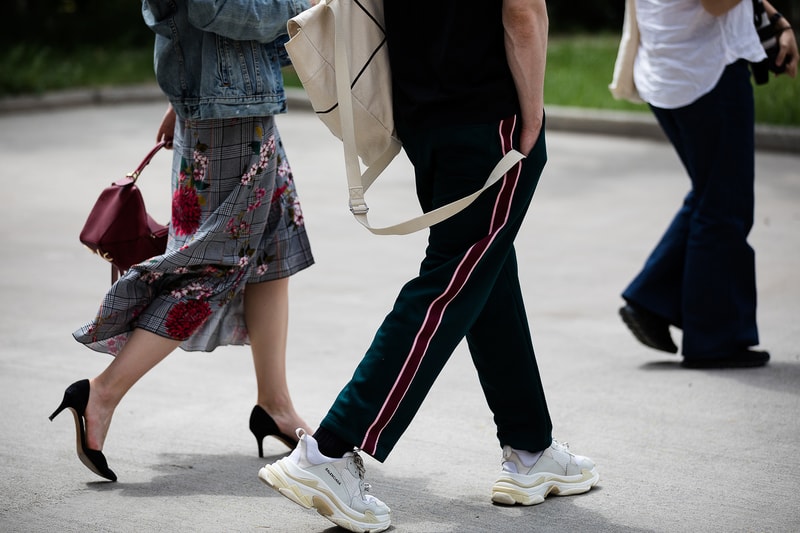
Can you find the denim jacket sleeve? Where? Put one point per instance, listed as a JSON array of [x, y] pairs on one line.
[[245, 20]]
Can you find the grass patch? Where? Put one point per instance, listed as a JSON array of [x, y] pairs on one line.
[[34, 70], [579, 70]]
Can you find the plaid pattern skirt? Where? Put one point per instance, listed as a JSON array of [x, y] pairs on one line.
[[236, 219]]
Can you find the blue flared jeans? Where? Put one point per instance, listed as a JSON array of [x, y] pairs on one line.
[[701, 275]]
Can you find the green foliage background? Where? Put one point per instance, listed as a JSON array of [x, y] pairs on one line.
[[60, 44]]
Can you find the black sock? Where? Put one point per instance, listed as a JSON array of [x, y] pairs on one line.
[[330, 444]]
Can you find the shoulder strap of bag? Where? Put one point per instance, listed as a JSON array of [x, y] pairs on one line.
[[358, 183]]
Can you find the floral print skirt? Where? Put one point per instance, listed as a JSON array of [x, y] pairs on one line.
[[236, 219]]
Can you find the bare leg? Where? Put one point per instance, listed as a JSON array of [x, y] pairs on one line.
[[266, 308], [142, 352]]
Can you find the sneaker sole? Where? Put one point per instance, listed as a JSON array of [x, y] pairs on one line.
[[309, 492], [509, 490]]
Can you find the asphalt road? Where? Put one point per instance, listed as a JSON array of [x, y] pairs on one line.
[[678, 450]]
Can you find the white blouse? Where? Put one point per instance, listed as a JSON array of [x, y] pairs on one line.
[[684, 49]]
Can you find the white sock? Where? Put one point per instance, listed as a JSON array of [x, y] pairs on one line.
[[528, 458]]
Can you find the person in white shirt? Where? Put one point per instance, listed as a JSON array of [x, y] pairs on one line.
[[693, 69]]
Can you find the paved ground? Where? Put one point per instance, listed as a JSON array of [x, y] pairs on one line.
[[677, 450]]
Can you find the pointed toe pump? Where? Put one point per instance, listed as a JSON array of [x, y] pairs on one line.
[[262, 425], [75, 399]]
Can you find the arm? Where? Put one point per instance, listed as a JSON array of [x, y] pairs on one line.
[[526, 24], [788, 44], [166, 131], [245, 20], [719, 7]]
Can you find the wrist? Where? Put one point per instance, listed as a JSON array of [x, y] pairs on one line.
[[779, 22]]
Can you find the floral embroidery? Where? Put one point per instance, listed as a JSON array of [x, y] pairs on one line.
[[279, 192], [193, 289], [283, 169], [297, 214], [115, 344], [151, 276], [260, 193], [185, 211], [237, 227], [186, 203], [186, 317], [265, 152], [288, 194], [238, 230], [200, 163]]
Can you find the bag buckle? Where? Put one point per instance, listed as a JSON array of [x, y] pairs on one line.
[[360, 208]]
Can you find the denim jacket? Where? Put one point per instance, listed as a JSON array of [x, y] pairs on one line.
[[221, 59]]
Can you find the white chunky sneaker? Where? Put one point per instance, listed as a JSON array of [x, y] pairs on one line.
[[557, 471], [335, 488]]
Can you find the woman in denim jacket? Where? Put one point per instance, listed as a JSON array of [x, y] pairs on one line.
[[237, 230]]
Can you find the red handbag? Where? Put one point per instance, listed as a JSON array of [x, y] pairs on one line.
[[119, 229]]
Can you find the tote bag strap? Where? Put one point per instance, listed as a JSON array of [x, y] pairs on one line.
[[446, 211], [358, 183], [146, 161]]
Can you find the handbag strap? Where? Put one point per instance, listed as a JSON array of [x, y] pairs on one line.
[[146, 161], [358, 183]]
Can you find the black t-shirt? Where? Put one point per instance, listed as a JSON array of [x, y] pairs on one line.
[[448, 61]]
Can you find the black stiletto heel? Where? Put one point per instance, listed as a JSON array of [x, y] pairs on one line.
[[75, 399], [262, 425]]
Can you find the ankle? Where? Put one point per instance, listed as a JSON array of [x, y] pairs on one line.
[[276, 405], [102, 396], [527, 458], [330, 444]]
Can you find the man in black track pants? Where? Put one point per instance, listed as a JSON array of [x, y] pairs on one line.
[[467, 85]]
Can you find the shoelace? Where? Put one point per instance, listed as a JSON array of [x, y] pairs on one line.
[[561, 446], [361, 471]]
